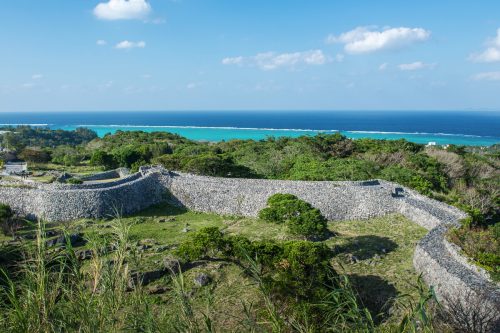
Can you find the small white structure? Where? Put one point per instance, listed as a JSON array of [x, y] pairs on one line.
[[431, 143], [13, 168]]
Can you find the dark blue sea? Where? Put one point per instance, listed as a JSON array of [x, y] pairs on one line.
[[442, 127]]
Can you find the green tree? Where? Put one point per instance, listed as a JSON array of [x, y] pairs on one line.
[[299, 216], [101, 158], [35, 155]]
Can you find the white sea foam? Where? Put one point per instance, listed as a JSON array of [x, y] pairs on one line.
[[418, 133], [282, 129]]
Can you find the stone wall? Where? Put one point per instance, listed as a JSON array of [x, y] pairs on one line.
[[229, 196], [62, 202], [455, 281]]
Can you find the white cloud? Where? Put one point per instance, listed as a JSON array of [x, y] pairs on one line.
[[122, 10], [415, 66], [37, 76], [383, 66], [126, 45], [492, 52], [233, 61], [487, 76], [272, 60], [368, 39], [101, 42], [339, 57]]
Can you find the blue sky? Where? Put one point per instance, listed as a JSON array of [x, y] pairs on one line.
[[232, 55]]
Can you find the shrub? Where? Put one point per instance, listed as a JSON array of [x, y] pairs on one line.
[[305, 264], [474, 218], [5, 212], [481, 245], [7, 223], [300, 217], [75, 181], [206, 242], [101, 158], [35, 155]]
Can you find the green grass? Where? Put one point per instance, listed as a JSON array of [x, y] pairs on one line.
[[383, 247], [82, 169], [377, 254]]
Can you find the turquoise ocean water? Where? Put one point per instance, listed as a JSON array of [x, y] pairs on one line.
[[478, 128], [224, 133]]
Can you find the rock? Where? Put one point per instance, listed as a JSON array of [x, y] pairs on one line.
[[147, 241], [166, 219], [145, 278], [74, 239], [186, 229], [202, 279], [162, 248], [352, 259], [144, 247], [156, 289], [84, 254], [171, 264]]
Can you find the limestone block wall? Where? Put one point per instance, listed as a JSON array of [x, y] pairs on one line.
[[63, 202], [336, 200]]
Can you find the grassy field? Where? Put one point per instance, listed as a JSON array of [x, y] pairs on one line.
[[375, 254]]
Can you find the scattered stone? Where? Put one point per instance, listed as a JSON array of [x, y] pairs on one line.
[[74, 239], [147, 241], [84, 254], [167, 219], [144, 247], [171, 264], [145, 278], [162, 248], [156, 289], [352, 259], [202, 279]]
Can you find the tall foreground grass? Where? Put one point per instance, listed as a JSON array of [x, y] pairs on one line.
[[49, 290]]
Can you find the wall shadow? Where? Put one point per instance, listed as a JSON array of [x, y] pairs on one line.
[[375, 293], [366, 247]]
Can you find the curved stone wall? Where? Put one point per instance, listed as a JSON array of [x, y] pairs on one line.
[[61, 202], [454, 280]]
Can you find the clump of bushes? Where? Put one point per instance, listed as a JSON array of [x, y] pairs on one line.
[[299, 216], [481, 244], [8, 223], [74, 181], [298, 268]]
